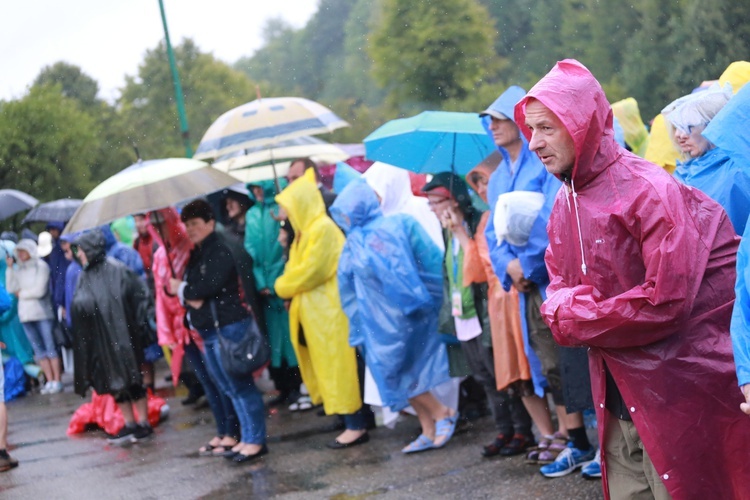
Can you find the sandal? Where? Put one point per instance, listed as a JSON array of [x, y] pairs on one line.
[[422, 443], [207, 450], [445, 428], [548, 449]]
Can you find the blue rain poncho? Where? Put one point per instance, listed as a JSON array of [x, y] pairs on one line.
[[721, 177], [391, 288], [528, 174], [729, 130]]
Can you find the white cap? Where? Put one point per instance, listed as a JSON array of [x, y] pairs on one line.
[[44, 247]]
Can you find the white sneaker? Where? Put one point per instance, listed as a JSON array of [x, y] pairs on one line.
[[55, 387], [46, 388]]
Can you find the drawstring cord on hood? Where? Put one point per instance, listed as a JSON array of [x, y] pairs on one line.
[[578, 222]]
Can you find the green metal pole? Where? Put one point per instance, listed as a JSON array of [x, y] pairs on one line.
[[177, 87]]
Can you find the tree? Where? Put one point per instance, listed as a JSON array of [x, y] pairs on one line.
[[431, 50], [113, 152], [48, 145], [147, 104], [74, 83]]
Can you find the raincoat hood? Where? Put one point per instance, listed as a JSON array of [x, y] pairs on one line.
[[505, 105], [453, 184], [109, 237], [302, 201], [356, 206], [629, 116], [173, 228], [392, 185], [485, 172], [728, 130], [737, 74], [697, 109], [29, 246], [93, 244], [269, 190], [589, 121]]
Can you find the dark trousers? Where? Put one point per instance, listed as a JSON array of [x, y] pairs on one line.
[[508, 412]]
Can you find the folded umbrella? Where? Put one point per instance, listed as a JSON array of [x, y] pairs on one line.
[[431, 142], [146, 186], [58, 210], [13, 201]]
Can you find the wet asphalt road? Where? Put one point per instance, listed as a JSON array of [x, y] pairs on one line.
[[299, 466]]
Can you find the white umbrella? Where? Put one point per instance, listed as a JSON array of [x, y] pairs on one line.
[[146, 186]]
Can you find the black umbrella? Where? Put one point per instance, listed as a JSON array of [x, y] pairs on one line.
[[13, 201], [58, 210]]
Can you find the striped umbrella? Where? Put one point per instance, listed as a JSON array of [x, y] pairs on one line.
[[265, 122], [146, 186]]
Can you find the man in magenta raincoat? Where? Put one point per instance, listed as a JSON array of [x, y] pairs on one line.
[[642, 271]]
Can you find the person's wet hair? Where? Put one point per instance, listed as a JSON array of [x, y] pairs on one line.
[[197, 209]]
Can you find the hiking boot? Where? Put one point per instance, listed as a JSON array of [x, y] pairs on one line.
[[493, 449], [7, 463], [518, 445], [567, 461], [142, 431], [123, 437], [593, 469]]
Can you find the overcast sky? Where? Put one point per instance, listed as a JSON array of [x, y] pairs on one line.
[[108, 38]]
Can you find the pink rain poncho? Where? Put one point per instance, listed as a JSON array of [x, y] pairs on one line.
[[641, 271], [171, 263]]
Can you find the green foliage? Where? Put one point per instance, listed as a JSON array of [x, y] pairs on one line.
[[48, 145], [431, 50], [147, 104], [74, 83]]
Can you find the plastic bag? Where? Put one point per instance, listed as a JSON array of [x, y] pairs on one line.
[[515, 213]]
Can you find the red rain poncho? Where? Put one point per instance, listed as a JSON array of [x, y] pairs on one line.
[[170, 315], [655, 299]]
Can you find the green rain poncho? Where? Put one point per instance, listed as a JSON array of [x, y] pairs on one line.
[[261, 234]]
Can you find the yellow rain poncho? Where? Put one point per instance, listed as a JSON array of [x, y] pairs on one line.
[[737, 73], [661, 149], [629, 116], [326, 361]]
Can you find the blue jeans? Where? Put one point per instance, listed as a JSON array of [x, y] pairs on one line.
[[227, 423], [42, 338], [355, 421], [247, 399]]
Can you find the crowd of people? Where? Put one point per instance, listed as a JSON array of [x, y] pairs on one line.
[[567, 276]]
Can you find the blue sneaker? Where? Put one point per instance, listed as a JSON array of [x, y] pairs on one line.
[[567, 461], [593, 469]]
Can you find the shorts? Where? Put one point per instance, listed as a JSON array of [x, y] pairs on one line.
[[544, 345], [42, 338]]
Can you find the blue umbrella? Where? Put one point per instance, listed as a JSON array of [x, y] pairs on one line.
[[431, 142], [13, 201], [58, 210]]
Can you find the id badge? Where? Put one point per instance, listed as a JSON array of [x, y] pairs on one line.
[[456, 304]]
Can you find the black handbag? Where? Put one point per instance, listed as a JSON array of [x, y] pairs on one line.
[[240, 359]]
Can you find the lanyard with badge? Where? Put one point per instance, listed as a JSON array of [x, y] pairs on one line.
[[457, 306]]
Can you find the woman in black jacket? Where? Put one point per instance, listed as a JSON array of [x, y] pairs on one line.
[[210, 290]]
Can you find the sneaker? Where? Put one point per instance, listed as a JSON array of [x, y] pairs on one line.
[[567, 461], [7, 463], [593, 469], [124, 436], [46, 388], [55, 387], [142, 431]]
